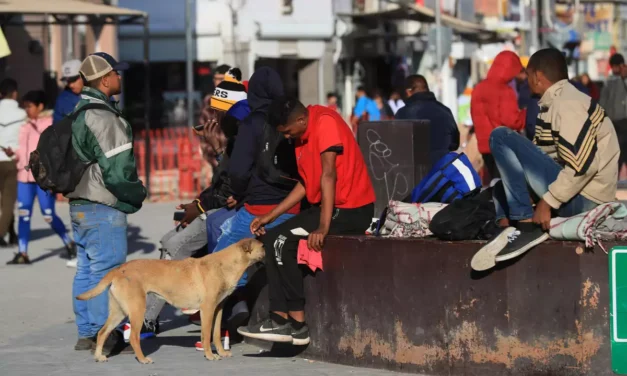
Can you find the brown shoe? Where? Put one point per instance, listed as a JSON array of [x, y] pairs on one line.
[[84, 344]]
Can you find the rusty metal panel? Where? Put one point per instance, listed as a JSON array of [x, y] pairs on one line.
[[415, 306]]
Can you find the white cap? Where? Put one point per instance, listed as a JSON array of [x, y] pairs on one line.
[[70, 68]]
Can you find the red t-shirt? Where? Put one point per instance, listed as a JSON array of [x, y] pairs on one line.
[[326, 129]]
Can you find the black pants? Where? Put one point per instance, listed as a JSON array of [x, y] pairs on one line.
[[621, 132], [490, 165], [285, 276]]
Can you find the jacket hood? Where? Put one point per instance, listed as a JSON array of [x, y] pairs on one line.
[[265, 86], [505, 67], [421, 96], [239, 110]]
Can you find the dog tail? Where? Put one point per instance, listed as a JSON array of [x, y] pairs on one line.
[[100, 287]]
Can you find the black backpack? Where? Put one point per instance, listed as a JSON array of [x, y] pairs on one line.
[[469, 218], [276, 160], [55, 165]]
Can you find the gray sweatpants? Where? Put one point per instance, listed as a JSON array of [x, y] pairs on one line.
[[178, 244]]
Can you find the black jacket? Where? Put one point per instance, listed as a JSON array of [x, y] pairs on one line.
[[264, 86], [444, 132], [220, 189]]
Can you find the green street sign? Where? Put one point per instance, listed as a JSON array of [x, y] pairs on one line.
[[618, 308]]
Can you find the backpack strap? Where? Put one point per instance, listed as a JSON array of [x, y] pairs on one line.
[[92, 106]]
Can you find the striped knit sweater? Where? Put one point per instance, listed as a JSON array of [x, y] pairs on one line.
[[573, 129]]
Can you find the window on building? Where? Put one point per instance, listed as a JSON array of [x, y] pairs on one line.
[[288, 7], [359, 5]]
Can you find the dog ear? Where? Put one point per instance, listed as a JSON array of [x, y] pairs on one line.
[[247, 246]]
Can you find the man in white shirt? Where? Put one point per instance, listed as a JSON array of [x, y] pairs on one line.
[[12, 117]]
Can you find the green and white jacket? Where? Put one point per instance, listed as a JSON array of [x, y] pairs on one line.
[[105, 138]]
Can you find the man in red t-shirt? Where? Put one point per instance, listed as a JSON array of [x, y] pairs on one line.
[[334, 179]]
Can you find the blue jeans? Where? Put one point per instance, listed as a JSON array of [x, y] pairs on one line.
[[26, 193], [214, 222], [238, 228], [100, 236], [526, 173]]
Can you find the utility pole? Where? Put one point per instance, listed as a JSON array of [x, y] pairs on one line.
[[438, 33], [534, 44], [189, 73]]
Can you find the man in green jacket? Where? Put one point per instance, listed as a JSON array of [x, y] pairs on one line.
[[108, 191]]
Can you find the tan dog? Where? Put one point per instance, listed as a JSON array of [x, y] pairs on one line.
[[192, 283]]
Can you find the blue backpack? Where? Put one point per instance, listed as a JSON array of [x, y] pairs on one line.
[[451, 177]]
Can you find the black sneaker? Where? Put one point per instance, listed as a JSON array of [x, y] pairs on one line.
[[71, 250], [3, 243], [115, 345], [19, 259], [526, 236], [486, 257], [300, 337], [84, 344], [268, 330]]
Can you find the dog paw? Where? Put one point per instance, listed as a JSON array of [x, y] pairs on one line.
[[101, 359], [225, 354], [212, 357], [146, 360]]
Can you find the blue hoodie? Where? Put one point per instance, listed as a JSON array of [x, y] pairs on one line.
[[264, 86], [66, 101]]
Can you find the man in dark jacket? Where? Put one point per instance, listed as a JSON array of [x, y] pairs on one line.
[[257, 195], [421, 104], [191, 236]]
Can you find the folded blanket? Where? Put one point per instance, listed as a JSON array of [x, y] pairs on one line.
[[606, 222], [407, 220]]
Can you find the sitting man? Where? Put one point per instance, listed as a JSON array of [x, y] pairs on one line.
[[335, 181], [421, 104], [572, 168], [191, 235]]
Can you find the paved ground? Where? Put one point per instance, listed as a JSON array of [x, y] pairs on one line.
[[38, 331]]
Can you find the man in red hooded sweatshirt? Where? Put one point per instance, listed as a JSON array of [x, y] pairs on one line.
[[494, 103]]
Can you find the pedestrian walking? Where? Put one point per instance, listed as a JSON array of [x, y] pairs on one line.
[[27, 189], [12, 117]]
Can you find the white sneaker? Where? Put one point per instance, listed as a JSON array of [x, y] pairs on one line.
[[486, 257], [72, 263]]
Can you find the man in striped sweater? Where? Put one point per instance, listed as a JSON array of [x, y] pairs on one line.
[[570, 167]]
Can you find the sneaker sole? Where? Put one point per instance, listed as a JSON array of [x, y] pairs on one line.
[[524, 249], [283, 338], [300, 341], [484, 259]]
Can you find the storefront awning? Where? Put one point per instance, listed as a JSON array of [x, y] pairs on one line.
[[64, 7], [466, 29]]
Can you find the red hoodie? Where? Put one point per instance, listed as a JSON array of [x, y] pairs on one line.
[[494, 103]]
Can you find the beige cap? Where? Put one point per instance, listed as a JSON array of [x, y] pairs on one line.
[[94, 67]]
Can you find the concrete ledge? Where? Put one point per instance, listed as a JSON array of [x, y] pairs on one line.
[[416, 306]]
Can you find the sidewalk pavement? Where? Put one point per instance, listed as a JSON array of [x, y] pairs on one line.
[[38, 331]]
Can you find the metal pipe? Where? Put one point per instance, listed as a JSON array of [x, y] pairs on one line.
[[438, 33], [189, 74], [534, 44], [147, 103], [321, 95], [70, 42]]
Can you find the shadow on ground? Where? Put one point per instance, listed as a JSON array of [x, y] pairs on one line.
[[136, 243]]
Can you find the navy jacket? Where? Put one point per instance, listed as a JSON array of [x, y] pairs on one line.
[[443, 129], [66, 101], [264, 86], [530, 101]]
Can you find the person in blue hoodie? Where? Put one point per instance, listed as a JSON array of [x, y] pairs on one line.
[[69, 97]]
